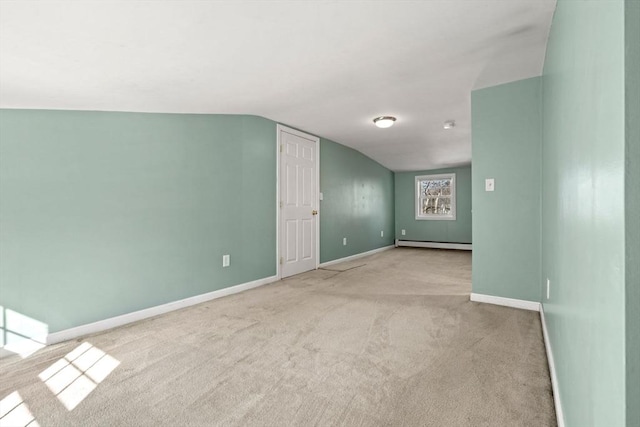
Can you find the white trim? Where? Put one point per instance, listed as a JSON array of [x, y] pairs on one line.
[[435, 245], [507, 302], [312, 138], [356, 256], [318, 203], [552, 370], [535, 306], [278, 273], [124, 319]]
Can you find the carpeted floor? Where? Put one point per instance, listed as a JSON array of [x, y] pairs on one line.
[[391, 339]]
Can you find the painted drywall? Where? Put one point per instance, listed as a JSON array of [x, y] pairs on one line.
[[107, 213], [102, 214], [583, 216], [506, 144], [457, 231], [632, 208], [357, 202]]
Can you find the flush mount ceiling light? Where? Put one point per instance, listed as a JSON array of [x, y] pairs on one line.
[[384, 121], [449, 124]]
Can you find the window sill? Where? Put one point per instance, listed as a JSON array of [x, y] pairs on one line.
[[436, 218]]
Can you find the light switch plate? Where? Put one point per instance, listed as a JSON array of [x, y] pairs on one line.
[[489, 184]]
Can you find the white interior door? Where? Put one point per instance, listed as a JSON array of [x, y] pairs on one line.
[[298, 202]]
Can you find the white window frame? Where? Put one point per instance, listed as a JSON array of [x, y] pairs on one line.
[[449, 217]]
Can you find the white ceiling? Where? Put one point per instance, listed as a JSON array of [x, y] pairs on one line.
[[326, 67]]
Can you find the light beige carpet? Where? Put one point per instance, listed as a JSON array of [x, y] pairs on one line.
[[391, 339]]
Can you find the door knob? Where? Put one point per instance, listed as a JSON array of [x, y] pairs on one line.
[[314, 212]]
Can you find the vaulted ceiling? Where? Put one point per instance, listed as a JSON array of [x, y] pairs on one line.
[[326, 67]]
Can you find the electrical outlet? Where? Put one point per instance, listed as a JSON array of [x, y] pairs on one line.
[[548, 287], [344, 241], [225, 260], [382, 233], [404, 232]]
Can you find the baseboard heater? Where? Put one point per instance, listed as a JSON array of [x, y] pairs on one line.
[[435, 245]]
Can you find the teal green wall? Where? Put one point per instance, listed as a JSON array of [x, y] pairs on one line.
[[107, 213], [590, 190], [458, 231], [102, 214], [583, 222], [506, 123], [357, 204], [632, 211]]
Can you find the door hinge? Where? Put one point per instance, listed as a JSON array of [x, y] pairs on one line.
[[281, 148], [281, 260], [282, 204]]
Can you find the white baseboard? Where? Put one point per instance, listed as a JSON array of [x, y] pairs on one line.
[[356, 256], [552, 370], [534, 306], [507, 302], [124, 319], [434, 245]]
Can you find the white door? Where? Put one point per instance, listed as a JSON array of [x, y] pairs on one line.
[[298, 201]]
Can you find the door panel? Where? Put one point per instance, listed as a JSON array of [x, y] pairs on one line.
[[308, 184], [291, 182], [291, 240], [307, 239], [299, 201], [292, 148], [307, 153]]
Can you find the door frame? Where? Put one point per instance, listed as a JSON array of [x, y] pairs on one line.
[[316, 140]]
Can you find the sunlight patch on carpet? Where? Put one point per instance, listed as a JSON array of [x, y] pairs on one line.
[[15, 413], [75, 376]]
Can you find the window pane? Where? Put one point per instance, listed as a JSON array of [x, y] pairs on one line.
[[444, 206], [435, 187], [436, 205], [434, 198]]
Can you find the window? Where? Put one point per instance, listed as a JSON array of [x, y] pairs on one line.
[[436, 196]]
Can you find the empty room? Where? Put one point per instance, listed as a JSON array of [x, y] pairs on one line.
[[330, 213]]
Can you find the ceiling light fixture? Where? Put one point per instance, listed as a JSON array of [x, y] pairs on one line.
[[449, 124], [384, 121]]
